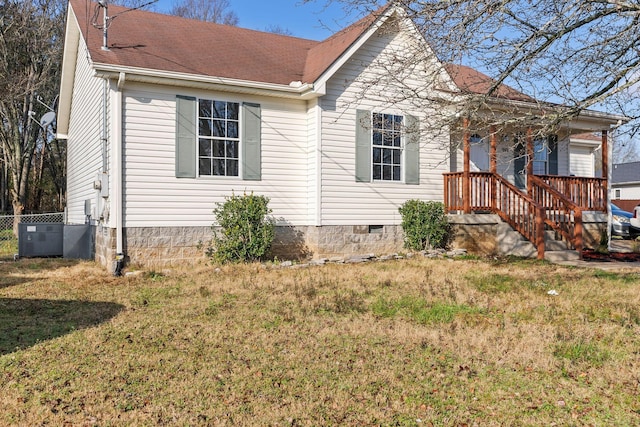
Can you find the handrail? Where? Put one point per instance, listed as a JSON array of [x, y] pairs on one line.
[[526, 213], [521, 212], [562, 214], [587, 192], [493, 193]]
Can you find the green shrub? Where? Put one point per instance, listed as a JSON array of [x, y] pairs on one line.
[[244, 230], [424, 224]]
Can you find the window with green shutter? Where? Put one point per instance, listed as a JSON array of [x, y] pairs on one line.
[[217, 138], [387, 147]]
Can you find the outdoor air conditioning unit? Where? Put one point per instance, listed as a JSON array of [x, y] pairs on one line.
[[40, 239]]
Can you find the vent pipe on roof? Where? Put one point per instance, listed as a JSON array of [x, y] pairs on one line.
[[105, 23]]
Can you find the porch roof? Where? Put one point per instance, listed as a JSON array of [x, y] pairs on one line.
[[473, 82]]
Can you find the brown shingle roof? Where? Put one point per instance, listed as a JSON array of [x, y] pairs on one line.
[[155, 41], [327, 52], [471, 81]]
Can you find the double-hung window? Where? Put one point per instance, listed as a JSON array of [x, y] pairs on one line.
[[387, 147], [218, 138], [540, 156]]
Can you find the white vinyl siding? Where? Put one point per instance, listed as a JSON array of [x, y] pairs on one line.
[[345, 201], [628, 191], [84, 147], [581, 161], [154, 197]]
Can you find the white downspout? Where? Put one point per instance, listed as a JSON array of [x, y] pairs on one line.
[[318, 159], [116, 117]]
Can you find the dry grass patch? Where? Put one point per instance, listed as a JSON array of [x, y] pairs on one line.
[[411, 342]]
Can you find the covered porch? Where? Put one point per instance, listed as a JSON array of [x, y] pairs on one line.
[[531, 200]]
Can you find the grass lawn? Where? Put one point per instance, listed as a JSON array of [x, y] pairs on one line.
[[414, 342]]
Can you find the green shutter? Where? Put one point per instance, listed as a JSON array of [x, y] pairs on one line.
[[553, 154], [363, 146], [185, 137], [251, 142], [412, 151]]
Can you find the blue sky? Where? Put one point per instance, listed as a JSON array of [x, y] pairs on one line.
[[314, 20]]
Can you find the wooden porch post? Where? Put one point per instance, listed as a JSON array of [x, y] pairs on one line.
[[493, 164], [605, 159], [466, 180], [540, 231], [529, 159]]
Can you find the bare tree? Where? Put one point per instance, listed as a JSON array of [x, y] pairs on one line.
[[624, 151], [135, 4], [216, 11], [582, 54], [30, 53], [277, 29]]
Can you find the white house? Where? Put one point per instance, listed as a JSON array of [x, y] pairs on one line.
[[165, 116], [625, 185]]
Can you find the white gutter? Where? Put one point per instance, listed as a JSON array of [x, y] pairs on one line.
[[634, 183], [317, 117], [294, 90], [534, 106]]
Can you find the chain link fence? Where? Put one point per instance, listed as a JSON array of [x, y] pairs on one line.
[[8, 241]]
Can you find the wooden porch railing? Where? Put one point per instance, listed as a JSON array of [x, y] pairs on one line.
[[481, 194], [521, 212], [492, 193], [590, 194], [561, 214], [528, 214]]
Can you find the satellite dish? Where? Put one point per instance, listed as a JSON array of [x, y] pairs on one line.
[[47, 119]]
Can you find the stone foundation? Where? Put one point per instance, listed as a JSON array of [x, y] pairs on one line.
[[105, 245], [478, 233], [167, 246], [594, 229], [345, 240]]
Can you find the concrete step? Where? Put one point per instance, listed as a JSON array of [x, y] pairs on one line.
[[555, 245], [522, 248], [558, 256], [510, 242], [504, 231]]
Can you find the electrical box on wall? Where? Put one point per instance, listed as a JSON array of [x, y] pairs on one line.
[[102, 183], [104, 188]]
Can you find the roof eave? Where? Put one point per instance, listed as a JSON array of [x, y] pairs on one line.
[[69, 58], [294, 90], [324, 77], [588, 115], [625, 183]]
